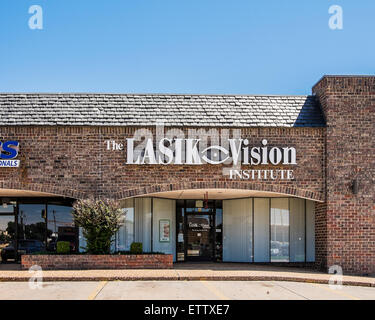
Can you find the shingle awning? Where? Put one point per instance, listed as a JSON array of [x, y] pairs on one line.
[[77, 109]]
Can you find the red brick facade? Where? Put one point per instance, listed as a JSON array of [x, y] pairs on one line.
[[346, 231], [82, 262], [73, 162]]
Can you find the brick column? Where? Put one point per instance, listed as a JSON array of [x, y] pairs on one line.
[[346, 222]]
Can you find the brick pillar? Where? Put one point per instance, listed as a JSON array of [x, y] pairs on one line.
[[321, 235], [348, 218]]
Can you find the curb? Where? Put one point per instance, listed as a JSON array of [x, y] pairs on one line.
[[189, 278]]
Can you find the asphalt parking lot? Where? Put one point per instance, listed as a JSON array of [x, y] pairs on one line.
[[179, 290]]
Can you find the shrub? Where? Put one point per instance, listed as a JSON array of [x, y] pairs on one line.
[[63, 247], [136, 247], [100, 220]]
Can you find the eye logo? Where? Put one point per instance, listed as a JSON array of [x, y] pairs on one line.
[[215, 154]]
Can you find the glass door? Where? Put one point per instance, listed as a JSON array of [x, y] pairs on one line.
[[199, 237], [199, 229]]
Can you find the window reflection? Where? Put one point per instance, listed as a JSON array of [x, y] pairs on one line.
[[197, 243], [219, 231], [125, 236], [279, 230], [6, 208], [7, 232], [42, 226], [32, 220], [129, 227], [6, 229], [199, 236], [60, 227], [180, 230]]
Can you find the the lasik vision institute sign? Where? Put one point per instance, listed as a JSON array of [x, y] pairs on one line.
[[239, 158], [8, 153], [186, 151]]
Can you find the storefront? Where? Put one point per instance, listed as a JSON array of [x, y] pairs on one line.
[[30, 224], [238, 230], [256, 179]]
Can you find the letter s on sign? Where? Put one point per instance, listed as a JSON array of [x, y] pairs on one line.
[[11, 149]]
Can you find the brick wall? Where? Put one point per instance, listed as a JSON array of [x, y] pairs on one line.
[[82, 262], [321, 235], [74, 162], [346, 227]]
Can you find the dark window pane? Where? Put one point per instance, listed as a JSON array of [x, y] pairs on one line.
[[32, 222], [219, 233], [7, 235], [180, 213], [60, 227], [199, 242]]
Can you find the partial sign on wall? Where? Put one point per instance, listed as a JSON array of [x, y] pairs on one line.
[[164, 230], [8, 153]]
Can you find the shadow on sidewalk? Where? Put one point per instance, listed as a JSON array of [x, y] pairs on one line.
[[10, 266], [238, 266]]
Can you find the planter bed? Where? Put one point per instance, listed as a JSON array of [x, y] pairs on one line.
[[88, 261]]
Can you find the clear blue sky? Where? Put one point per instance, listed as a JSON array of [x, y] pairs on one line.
[[182, 46]]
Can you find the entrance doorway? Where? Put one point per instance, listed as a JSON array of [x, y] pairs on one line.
[[199, 237], [199, 230]]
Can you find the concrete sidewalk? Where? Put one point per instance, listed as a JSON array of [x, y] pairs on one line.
[[191, 272]]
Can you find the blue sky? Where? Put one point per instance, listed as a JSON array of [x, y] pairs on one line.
[[182, 46]]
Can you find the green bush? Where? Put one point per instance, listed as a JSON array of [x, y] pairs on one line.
[[63, 247], [100, 220], [136, 247]]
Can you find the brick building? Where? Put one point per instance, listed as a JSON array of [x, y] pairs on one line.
[[260, 179]]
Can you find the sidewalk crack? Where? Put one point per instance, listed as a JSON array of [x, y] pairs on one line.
[[300, 295]]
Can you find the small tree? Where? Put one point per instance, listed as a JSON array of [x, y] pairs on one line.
[[100, 220]]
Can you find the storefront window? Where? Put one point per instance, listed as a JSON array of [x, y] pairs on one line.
[[261, 229], [143, 222], [219, 230], [7, 231], [6, 208], [7, 228], [32, 231], [279, 230], [32, 219], [237, 233], [125, 236], [60, 227], [180, 214], [297, 230]]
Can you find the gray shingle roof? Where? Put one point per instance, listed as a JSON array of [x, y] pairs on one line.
[[149, 109]]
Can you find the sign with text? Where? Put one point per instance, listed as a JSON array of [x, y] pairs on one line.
[[213, 147], [8, 153], [164, 230]]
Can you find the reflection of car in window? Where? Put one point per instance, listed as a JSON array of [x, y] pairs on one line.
[[24, 247], [285, 249]]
